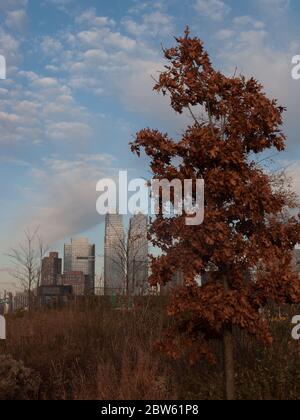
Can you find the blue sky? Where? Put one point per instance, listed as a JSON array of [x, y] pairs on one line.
[[79, 86]]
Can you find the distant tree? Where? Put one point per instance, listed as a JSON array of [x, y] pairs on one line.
[[247, 238], [99, 283], [26, 262]]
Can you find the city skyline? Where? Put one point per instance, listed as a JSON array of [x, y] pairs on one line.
[[78, 263], [77, 91]]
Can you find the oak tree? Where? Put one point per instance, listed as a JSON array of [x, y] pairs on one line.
[[244, 247]]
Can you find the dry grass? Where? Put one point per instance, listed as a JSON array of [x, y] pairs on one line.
[[95, 352]]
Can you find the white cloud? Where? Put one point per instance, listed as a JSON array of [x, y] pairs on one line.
[[101, 60], [224, 34], [61, 4], [12, 4], [152, 24], [275, 5], [214, 9], [63, 202], [50, 46], [133, 27], [96, 56], [69, 131], [8, 119], [16, 20], [95, 38], [61, 199], [250, 51], [10, 48], [52, 68], [37, 109], [247, 21], [45, 82], [90, 17]]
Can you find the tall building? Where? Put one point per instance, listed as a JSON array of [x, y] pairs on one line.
[[79, 256], [114, 255], [51, 269], [137, 249]]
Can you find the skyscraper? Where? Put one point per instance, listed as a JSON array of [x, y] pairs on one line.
[[114, 255], [51, 269], [137, 248], [79, 256]]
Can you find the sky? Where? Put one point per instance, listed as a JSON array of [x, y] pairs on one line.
[[79, 86]]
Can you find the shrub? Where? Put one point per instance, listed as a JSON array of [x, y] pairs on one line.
[[16, 381]]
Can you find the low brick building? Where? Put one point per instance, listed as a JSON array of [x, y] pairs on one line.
[[77, 280]]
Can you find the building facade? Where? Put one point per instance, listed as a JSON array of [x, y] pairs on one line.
[[114, 255], [137, 248], [55, 295], [79, 256], [77, 280], [51, 269]]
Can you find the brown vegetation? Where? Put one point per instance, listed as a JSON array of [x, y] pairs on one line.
[[93, 351]]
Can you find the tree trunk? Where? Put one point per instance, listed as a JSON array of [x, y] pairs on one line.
[[228, 349], [29, 300], [228, 352]]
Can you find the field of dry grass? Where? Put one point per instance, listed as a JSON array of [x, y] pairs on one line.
[[93, 351]]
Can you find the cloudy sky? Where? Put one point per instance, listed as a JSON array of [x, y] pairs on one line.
[[79, 86]]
